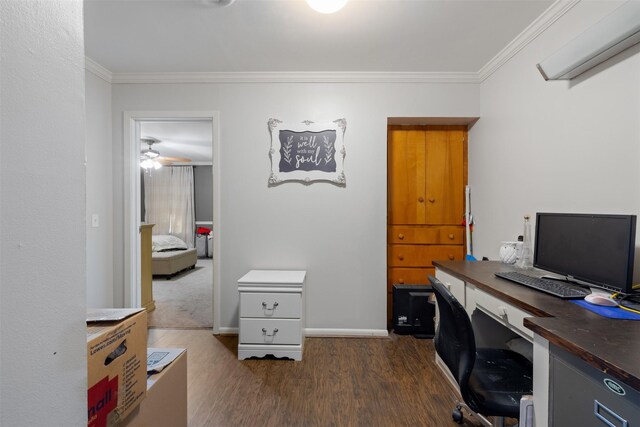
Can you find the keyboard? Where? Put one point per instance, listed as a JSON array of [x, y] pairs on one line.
[[556, 288]]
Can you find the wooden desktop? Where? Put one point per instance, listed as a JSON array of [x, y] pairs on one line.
[[611, 346]]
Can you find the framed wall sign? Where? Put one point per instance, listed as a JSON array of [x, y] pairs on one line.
[[307, 152]]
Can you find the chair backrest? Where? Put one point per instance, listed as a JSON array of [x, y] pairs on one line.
[[454, 340]]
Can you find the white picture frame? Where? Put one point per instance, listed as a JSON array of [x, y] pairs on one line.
[[307, 152]]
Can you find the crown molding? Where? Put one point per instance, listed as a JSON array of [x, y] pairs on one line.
[[97, 69], [537, 27], [297, 77]]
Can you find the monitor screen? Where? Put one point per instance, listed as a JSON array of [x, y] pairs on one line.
[[596, 249]]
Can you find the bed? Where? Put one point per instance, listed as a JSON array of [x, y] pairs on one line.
[[170, 255]]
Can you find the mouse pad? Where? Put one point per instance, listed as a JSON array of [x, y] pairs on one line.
[[610, 312]]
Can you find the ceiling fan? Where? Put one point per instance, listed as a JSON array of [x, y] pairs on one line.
[[151, 159]]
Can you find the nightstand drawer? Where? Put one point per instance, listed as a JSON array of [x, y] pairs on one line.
[[270, 331], [271, 305]]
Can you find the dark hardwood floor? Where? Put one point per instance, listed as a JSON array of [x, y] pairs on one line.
[[340, 382]]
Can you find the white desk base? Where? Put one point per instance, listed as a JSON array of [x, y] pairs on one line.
[[511, 317]]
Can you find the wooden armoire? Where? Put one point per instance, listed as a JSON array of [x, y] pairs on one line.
[[427, 175]]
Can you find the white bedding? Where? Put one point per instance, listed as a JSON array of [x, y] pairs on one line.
[[165, 243]]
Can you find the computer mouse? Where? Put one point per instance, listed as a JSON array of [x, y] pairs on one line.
[[599, 299]]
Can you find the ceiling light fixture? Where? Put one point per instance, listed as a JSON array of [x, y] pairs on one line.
[[152, 154], [326, 6], [148, 157], [147, 164]]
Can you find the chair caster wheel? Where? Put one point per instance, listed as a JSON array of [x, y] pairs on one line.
[[457, 415]]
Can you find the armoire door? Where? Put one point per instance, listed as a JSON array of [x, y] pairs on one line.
[[445, 175], [406, 180]]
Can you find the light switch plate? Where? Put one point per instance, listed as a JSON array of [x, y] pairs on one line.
[[95, 220]]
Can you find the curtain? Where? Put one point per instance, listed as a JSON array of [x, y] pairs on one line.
[[168, 202]]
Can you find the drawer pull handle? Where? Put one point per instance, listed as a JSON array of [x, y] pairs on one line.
[[401, 236], [451, 257], [421, 199], [451, 236], [502, 312], [432, 200], [401, 281], [599, 409], [264, 306], [264, 332], [401, 257]]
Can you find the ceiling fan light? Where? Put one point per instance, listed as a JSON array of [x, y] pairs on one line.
[[326, 6], [147, 164]]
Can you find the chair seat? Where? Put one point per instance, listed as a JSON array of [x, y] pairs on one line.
[[498, 380]]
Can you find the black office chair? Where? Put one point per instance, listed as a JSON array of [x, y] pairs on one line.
[[491, 381]]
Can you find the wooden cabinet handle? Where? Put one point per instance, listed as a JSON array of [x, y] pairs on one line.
[[432, 200], [401, 281], [401, 257], [401, 236], [451, 257], [451, 236], [421, 199]]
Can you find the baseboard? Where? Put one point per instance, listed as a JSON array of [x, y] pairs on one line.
[[325, 332], [228, 331]]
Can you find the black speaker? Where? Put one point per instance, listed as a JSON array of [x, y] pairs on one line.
[[413, 313]]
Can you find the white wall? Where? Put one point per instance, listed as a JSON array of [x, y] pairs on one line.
[[203, 192], [99, 148], [42, 223], [555, 146], [337, 234]]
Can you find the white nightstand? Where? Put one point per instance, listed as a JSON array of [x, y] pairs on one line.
[[271, 314]]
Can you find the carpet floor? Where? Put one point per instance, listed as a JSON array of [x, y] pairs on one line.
[[184, 301]]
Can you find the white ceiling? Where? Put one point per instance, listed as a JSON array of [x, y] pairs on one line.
[[190, 139], [141, 36], [155, 36]]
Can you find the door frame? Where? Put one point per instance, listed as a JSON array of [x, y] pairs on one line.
[[132, 208]]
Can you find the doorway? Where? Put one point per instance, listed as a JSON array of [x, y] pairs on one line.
[[164, 129]]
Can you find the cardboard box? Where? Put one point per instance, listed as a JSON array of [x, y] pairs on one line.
[[166, 401], [117, 364]]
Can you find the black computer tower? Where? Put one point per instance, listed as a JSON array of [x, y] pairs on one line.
[[413, 310]]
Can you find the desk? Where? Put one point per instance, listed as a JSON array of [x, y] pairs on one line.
[[611, 346]]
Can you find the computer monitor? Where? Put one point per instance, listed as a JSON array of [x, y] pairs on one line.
[[597, 250]]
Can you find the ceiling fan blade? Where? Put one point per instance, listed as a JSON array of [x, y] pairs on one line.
[[168, 160]]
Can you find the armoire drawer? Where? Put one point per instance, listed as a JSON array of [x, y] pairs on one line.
[[422, 255], [271, 305], [439, 235], [270, 331]]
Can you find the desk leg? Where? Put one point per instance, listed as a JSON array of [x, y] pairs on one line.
[[540, 381]]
